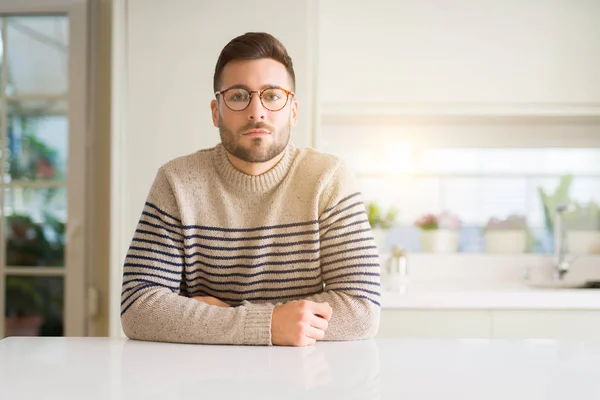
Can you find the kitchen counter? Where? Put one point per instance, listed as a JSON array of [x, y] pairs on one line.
[[102, 368], [490, 296]]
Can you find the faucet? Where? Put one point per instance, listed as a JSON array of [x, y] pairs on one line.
[[561, 266]]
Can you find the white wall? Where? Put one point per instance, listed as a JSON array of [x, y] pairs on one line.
[[460, 51]]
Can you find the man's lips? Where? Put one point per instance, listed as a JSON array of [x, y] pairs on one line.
[[256, 132]]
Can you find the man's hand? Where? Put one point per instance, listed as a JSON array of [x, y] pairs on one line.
[[213, 301], [299, 323]]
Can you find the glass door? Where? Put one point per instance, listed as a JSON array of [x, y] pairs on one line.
[[42, 173]]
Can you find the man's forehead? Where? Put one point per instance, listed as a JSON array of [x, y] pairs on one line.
[[255, 73]]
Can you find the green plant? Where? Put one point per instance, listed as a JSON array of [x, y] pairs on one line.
[[551, 201], [583, 217], [35, 159], [377, 219], [25, 298], [29, 243]]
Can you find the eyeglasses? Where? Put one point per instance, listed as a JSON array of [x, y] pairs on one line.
[[238, 99]]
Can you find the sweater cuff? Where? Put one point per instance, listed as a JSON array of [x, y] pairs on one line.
[[257, 327]]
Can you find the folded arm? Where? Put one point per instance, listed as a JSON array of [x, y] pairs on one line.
[[153, 306]]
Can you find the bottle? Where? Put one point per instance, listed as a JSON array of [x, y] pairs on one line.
[[396, 271]]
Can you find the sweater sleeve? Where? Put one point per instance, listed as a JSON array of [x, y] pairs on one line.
[[154, 305], [349, 261]]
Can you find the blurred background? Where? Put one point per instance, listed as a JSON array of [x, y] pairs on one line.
[[466, 124]]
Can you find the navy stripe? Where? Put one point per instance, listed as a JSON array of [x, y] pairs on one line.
[[259, 282], [142, 222], [259, 290], [135, 286], [259, 247], [344, 218], [359, 289], [337, 228], [345, 251], [129, 305], [358, 203], [146, 281], [355, 274], [163, 244], [162, 253], [345, 234], [156, 260], [252, 237], [178, 280], [359, 282], [259, 228], [250, 299], [178, 226], [368, 298], [250, 266], [151, 267], [362, 239], [242, 275], [178, 240], [137, 289], [340, 202], [290, 253], [352, 266], [163, 212], [350, 259]]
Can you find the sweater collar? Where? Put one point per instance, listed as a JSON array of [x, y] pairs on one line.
[[254, 183]]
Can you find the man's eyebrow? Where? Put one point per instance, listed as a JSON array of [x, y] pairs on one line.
[[242, 86]]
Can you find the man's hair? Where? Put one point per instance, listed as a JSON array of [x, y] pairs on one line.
[[253, 46]]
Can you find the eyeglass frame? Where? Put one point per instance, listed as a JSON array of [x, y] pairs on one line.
[[259, 92]]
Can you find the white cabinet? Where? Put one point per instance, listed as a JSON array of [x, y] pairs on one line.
[[435, 323], [436, 53], [518, 324], [572, 324]]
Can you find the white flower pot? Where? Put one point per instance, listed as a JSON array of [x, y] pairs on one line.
[[379, 236], [583, 242], [507, 241], [439, 241]]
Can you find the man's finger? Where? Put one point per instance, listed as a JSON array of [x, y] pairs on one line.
[[319, 322], [314, 333], [323, 310]]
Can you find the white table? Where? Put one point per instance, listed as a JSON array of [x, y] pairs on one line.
[[102, 368]]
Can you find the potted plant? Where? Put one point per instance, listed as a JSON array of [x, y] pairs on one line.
[[582, 225], [551, 200], [380, 223], [24, 308], [508, 235], [439, 233]]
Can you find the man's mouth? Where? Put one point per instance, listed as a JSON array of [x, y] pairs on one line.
[[256, 132]]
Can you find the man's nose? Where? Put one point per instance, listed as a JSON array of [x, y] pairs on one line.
[[255, 109]]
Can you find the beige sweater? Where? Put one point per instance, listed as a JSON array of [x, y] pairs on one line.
[[299, 231]]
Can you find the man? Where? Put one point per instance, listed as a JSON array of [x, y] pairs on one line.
[[253, 241]]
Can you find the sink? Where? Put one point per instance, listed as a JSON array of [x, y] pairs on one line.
[[563, 284], [579, 276]]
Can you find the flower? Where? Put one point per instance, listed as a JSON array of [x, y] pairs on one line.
[[445, 220], [512, 222]]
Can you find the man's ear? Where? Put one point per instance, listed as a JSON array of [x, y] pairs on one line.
[[294, 113], [214, 109]]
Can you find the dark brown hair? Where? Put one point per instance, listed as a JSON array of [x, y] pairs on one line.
[[253, 46]]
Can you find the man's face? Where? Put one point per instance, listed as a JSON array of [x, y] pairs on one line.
[[255, 134]]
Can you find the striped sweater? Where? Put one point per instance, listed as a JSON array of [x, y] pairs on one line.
[[299, 231]]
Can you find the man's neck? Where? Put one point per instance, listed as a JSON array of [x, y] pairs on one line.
[[254, 169]]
